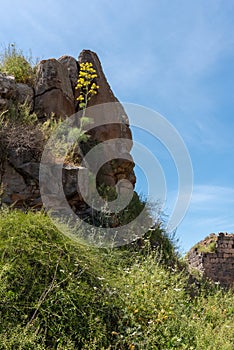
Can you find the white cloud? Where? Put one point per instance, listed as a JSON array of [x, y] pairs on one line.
[[212, 196]]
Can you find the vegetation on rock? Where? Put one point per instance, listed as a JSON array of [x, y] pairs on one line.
[[207, 245], [87, 89], [86, 84], [13, 62]]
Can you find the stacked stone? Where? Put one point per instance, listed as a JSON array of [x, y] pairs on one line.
[[195, 260], [217, 266]]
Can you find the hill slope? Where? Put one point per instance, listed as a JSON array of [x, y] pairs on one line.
[[57, 294]]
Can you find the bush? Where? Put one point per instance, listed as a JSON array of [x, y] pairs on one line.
[[13, 62], [18, 114]]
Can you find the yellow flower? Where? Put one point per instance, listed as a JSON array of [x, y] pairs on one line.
[[81, 80], [85, 83], [94, 86]]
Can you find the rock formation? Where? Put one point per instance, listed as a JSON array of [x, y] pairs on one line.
[[71, 65], [111, 172], [7, 91], [53, 90], [54, 94], [24, 93]]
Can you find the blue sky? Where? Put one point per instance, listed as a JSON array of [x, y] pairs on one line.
[[175, 57]]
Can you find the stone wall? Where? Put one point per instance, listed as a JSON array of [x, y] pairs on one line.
[[217, 265]]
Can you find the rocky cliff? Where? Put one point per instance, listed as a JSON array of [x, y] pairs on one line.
[[53, 93]]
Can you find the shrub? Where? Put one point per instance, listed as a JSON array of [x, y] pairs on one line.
[[19, 114], [13, 62], [19, 130]]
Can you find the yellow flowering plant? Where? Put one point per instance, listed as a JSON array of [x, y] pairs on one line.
[[87, 89]]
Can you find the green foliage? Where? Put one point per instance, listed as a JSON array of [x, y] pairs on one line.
[[209, 248], [58, 294], [77, 134], [49, 286], [62, 136], [163, 243], [13, 62], [159, 313], [50, 125], [18, 114], [207, 245], [105, 217]]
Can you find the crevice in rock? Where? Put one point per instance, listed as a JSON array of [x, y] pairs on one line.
[[51, 89], [25, 175]]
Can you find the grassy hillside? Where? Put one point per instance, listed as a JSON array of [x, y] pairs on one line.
[[57, 294]]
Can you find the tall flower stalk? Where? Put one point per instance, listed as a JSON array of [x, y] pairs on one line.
[[87, 89]]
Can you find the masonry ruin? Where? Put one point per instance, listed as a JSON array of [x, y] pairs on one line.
[[218, 264]]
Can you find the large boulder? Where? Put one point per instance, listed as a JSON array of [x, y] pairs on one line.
[[19, 178], [112, 171], [71, 65], [18, 189], [7, 90], [53, 91], [24, 94], [105, 94]]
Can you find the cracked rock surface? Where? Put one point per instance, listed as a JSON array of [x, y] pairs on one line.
[[53, 90]]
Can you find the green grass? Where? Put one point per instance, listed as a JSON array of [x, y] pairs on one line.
[[58, 294]]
